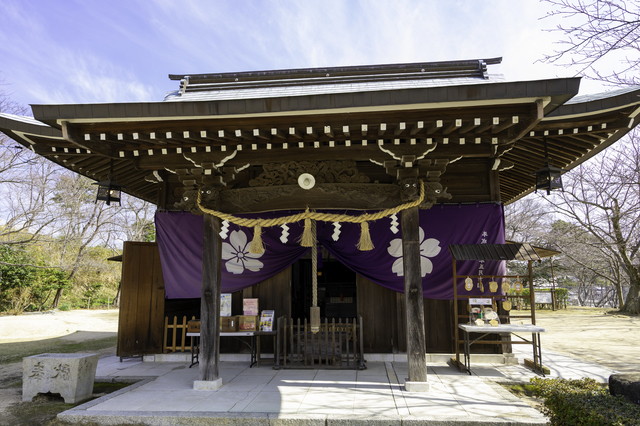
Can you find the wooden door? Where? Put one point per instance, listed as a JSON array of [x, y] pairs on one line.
[[141, 320], [377, 306]]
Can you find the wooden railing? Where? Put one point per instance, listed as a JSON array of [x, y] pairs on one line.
[[337, 345], [175, 345]]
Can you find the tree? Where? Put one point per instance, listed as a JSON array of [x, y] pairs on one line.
[[49, 217], [26, 190], [25, 186], [526, 220], [82, 223], [603, 199], [23, 286], [136, 219], [597, 29], [590, 267]]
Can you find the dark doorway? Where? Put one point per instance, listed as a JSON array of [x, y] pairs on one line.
[[336, 288]]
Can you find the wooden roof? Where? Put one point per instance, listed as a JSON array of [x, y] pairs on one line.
[[513, 251], [543, 252], [390, 121]]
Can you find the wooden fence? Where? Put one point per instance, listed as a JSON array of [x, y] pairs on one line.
[[175, 344], [337, 345]]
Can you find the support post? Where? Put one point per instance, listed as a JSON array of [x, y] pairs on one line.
[[456, 320], [532, 295], [208, 377], [416, 341]]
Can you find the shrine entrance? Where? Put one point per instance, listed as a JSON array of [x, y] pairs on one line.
[[336, 289]]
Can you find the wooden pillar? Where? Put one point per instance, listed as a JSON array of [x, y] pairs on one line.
[[532, 295], [163, 189], [210, 305], [416, 342], [494, 184], [456, 320]]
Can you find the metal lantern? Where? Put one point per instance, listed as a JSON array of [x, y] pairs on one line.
[[108, 191], [549, 178]]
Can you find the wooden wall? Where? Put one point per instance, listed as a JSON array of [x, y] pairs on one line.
[[384, 318], [469, 180], [141, 317], [273, 294], [142, 310]]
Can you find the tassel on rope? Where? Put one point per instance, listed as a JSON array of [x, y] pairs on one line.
[[365, 243], [307, 234], [256, 244]]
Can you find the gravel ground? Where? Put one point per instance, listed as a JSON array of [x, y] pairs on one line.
[[40, 333], [593, 334], [37, 326]]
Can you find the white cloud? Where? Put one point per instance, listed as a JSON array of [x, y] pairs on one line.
[[77, 51], [92, 80], [46, 69]]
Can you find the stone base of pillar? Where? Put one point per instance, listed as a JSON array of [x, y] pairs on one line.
[[417, 386], [207, 384]]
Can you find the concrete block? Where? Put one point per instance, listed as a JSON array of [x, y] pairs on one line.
[[530, 364], [70, 375], [171, 357], [364, 420], [417, 386], [207, 384], [510, 359], [279, 419]]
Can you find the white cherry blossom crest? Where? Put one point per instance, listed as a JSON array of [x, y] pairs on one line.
[[428, 248], [236, 253]]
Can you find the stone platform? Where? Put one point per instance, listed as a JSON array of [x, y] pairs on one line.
[[264, 396]]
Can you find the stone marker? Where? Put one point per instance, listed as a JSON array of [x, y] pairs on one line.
[[70, 375], [627, 385]]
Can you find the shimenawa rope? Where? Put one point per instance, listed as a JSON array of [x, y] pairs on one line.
[[364, 244]]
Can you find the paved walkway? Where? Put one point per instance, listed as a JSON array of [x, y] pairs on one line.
[[165, 395]]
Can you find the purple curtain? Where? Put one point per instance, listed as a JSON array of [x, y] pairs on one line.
[[179, 238], [180, 244]]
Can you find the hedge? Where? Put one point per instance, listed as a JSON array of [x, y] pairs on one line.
[[562, 296], [583, 402]]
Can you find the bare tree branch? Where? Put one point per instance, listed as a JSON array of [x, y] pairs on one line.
[[597, 29]]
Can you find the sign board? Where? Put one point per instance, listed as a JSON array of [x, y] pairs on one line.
[[250, 307], [225, 305], [483, 301], [544, 297]]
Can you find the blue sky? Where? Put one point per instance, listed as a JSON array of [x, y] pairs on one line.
[[86, 51]]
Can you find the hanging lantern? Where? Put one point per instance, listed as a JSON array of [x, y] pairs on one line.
[[548, 177], [109, 190]]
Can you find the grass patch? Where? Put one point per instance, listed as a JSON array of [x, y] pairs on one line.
[[44, 408], [526, 393], [15, 351], [108, 387], [522, 390]]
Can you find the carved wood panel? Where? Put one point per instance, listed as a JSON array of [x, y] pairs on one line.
[[323, 171]]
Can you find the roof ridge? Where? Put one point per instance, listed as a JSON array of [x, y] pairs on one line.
[[479, 65]]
